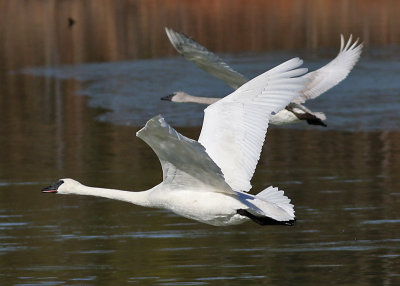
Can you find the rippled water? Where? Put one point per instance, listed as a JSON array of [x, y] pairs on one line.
[[59, 119], [344, 186]]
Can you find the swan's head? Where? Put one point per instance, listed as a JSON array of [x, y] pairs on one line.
[[177, 96], [63, 186]]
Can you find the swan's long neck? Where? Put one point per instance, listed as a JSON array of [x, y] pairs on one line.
[[137, 198], [200, 99]]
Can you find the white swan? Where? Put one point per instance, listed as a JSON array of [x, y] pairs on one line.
[[321, 80], [207, 180]]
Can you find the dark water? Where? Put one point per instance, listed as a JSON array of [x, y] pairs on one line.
[[70, 118], [345, 187]]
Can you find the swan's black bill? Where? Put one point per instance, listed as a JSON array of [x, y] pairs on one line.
[[53, 188], [168, 97]]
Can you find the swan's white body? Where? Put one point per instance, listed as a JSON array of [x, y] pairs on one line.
[[207, 205], [207, 180], [321, 80]]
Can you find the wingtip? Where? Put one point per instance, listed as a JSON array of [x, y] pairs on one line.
[[175, 39], [156, 120], [341, 42], [352, 48], [291, 64], [346, 48], [297, 60], [167, 30]]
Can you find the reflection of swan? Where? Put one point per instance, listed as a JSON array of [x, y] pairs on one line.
[[321, 80], [207, 180]]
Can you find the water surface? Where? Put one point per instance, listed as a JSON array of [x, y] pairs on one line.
[[346, 201], [71, 101]]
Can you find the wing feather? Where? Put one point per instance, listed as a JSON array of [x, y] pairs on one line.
[[204, 59], [234, 128], [320, 80], [334, 72], [184, 161]]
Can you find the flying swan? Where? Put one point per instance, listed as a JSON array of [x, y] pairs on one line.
[[208, 180], [321, 80]]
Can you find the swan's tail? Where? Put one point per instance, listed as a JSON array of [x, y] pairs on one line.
[[269, 207], [277, 197]]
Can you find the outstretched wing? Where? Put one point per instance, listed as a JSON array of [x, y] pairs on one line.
[[184, 161], [334, 72], [234, 128], [206, 60]]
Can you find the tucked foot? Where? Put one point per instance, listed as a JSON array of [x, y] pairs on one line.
[[264, 220], [316, 121]]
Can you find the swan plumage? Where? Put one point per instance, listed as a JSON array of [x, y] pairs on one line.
[[320, 80], [208, 180]]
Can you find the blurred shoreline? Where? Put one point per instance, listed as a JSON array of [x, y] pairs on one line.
[[37, 33]]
